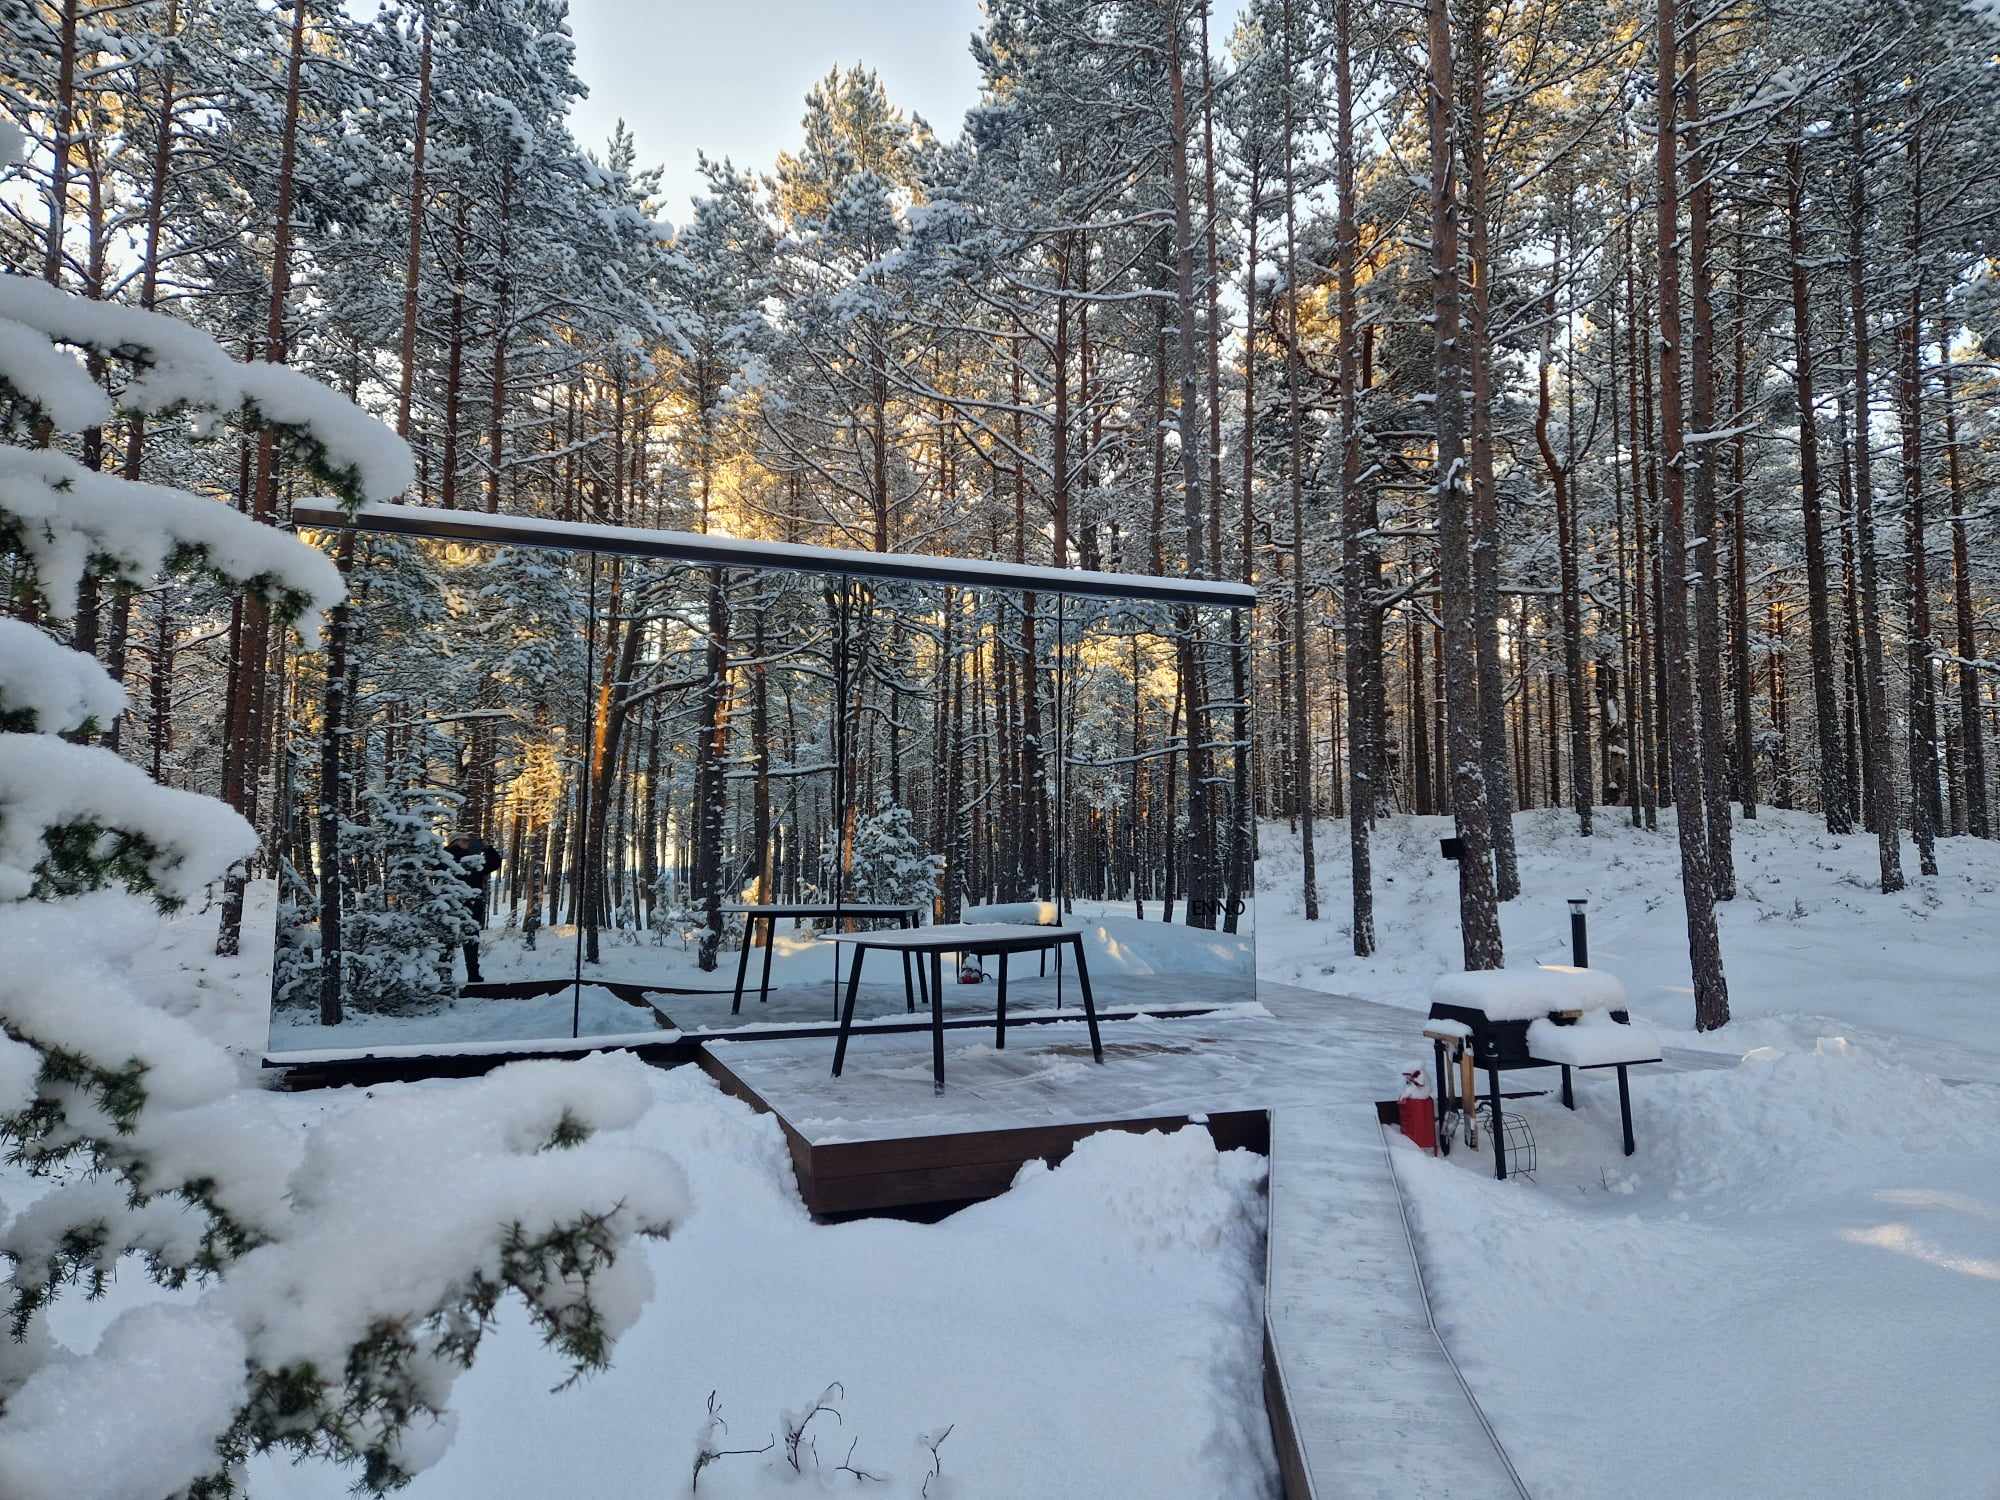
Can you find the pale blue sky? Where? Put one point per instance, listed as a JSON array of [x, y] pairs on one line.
[[729, 77]]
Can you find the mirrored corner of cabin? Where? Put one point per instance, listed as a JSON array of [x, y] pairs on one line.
[[1158, 860], [717, 794], [433, 906]]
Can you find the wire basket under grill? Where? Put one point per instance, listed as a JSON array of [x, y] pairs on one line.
[[1517, 1141]]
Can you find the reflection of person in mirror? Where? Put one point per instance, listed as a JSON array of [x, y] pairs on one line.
[[475, 860]]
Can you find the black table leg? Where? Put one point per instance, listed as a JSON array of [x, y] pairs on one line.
[[1625, 1109], [847, 1011], [1499, 1136], [1089, 1004], [909, 990], [1443, 1137], [770, 942], [937, 1024], [742, 966], [907, 921], [1000, 1027], [1569, 1099]]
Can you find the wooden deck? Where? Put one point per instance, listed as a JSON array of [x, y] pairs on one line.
[[878, 1137], [1363, 1396]]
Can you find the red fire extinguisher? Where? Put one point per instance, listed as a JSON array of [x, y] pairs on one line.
[[1416, 1110]]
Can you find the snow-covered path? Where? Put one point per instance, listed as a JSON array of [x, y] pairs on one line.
[[1792, 1288]]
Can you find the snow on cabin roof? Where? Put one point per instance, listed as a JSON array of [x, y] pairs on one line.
[[728, 551]]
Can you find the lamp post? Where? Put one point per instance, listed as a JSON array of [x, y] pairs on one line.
[[1579, 940]]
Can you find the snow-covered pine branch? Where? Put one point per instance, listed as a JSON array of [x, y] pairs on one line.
[[156, 1141]]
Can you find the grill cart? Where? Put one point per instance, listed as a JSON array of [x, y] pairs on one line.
[[1503, 1020]]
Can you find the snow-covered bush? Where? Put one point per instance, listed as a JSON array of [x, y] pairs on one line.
[[891, 863], [345, 1279], [410, 913]]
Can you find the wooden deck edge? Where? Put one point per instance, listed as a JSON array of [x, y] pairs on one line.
[[1294, 1477], [1294, 1473]]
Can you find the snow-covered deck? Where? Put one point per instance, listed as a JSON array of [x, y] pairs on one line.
[[1363, 1396]]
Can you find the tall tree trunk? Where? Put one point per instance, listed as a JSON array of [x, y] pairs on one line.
[[1698, 455], [1739, 581], [1972, 733], [1570, 603], [1645, 736], [1882, 767], [1485, 495], [1302, 769], [1711, 989], [1478, 911], [1357, 581], [413, 260], [1835, 794], [241, 766], [1925, 811]]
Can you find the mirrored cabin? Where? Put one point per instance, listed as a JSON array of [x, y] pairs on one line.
[[552, 785]]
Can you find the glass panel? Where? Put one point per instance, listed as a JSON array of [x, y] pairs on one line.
[[427, 907], [721, 795], [1158, 860]]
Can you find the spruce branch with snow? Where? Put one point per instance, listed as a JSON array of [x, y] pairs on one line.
[[156, 1140]]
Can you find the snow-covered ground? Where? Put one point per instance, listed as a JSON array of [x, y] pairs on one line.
[[1809, 944], [1095, 1332], [1792, 1288], [1789, 1290]]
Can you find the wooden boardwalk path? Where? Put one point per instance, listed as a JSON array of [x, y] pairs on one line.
[[1363, 1400], [1363, 1397]]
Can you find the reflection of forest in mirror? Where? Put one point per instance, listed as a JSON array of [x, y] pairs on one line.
[[560, 767], [458, 707]]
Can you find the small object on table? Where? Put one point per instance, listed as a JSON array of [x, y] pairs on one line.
[[967, 939], [906, 916]]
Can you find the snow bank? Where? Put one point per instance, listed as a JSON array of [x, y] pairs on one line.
[[137, 1416], [58, 688], [1519, 994]]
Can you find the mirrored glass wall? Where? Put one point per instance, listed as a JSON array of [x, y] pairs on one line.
[[532, 793]]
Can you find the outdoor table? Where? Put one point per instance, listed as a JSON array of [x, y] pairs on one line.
[[752, 914], [980, 938]]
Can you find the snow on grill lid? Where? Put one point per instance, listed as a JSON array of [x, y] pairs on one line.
[[1523, 994], [1595, 1041]]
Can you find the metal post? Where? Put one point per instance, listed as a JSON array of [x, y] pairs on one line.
[[1499, 1135], [1579, 938], [1625, 1108]]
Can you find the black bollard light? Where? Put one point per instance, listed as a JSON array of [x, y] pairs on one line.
[[1579, 939]]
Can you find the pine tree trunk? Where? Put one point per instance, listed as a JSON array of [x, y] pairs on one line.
[[413, 261], [239, 788], [1882, 767], [1478, 911], [1739, 583], [1713, 744], [1925, 810], [1972, 733], [1302, 767], [1711, 989], [1357, 580], [1485, 494], [1836, 798]]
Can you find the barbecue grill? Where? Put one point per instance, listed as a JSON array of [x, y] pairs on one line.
[[1508, 1020]]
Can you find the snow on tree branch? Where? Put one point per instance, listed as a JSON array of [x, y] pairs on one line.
[[178, 366]]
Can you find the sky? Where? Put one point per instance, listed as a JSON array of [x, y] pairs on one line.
[[729, 77]]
